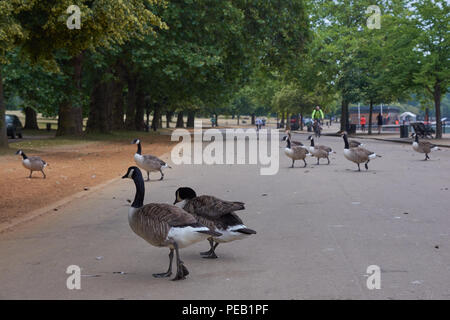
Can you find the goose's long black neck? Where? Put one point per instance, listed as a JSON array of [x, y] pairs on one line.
[[312, 142], [139, 149], [140, 191], [346, 142], [288, 141], [24, 156], [416, 138]]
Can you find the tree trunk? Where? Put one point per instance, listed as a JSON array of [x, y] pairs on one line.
[[139, 123], [216, 122], [118, 98], [344, 115], [169, 115], [30, 119], [101, 106], [369, 131], [117, 108], [238, 119], [131, 103], [156, 116], [282, 120], [70, 117], [147, 118], [253, 119], [3, 137], [437, 106], [180, 122], [190, 119], [301, 121], [288, 122]]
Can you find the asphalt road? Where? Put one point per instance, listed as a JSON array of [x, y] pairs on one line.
[[319, 228]]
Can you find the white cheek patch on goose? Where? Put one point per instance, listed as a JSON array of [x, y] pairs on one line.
[[130, 175], [138, 141]]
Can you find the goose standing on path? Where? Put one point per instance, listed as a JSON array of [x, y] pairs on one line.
[[358, 155], [148, 162], [423, 146], [32, 163], [327, 149], [295, 153], [164, 225], [216, 214], [319, 151]]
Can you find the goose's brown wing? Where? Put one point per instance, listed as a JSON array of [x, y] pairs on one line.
[[166, 213], [212, 207], [148, 158], [426, 146], [362, 152], [296, 143]]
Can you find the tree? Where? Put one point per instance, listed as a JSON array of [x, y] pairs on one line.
[[11, 33], [103, 23], [432, 48]]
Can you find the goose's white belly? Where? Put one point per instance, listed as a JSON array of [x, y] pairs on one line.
[[348, 154], [187, 235], [27, 163], [415, 146], [289, 152], [230, 234]]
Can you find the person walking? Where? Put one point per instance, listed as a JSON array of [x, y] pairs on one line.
[[379, 122], [362, 122], [317, 114], [258, 124]]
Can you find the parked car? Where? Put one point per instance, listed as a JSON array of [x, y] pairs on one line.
[[13, 126]]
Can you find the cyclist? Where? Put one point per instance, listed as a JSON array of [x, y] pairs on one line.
[[317, 114]]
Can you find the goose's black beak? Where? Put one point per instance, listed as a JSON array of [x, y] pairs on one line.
[[125, 176]]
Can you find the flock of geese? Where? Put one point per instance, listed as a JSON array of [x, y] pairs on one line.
[[189, 220], [353, 150], [192, 218]]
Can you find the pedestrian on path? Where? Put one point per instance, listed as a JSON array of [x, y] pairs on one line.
[[363, 124], [379, 122]]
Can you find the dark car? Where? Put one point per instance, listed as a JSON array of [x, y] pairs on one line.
[[294, 123], [13, 126]]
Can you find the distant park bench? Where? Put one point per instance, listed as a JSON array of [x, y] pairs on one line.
[[423, 130]]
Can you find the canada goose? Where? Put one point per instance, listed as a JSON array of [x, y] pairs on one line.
[[327, 149], [32, 163], [295, 153], [358, 155], [164, 225], [216, 214], [319, 151], [148, 162], [293, 142], [423, 146]]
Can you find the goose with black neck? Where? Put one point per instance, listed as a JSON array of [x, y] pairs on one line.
[[164, 225]]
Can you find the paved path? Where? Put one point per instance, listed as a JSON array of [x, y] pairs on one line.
[[319, 228]]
